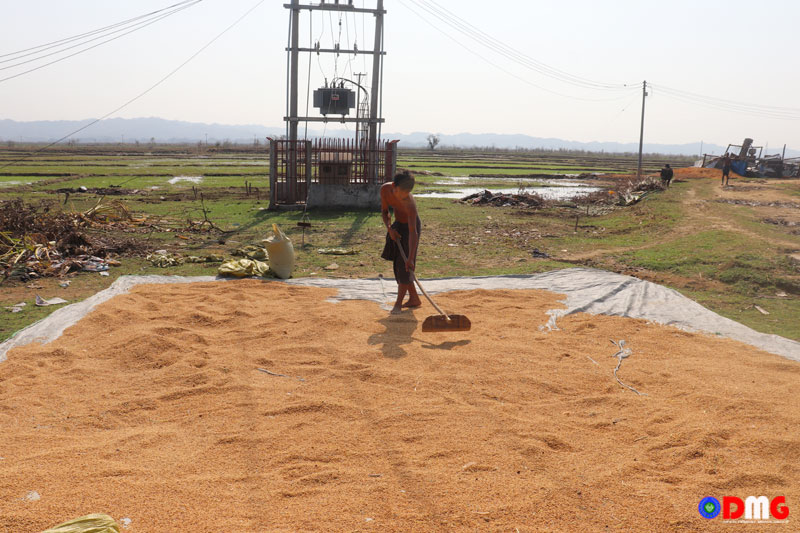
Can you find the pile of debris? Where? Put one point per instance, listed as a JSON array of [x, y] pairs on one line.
[[637, 190], [748, 160], [781, 222], [505, 200], [632, 192], [165, 259], [38, 241], [755, 203]]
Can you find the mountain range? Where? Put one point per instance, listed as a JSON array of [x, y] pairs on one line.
[[174, 131]]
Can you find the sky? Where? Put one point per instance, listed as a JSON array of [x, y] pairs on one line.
[[436, 78]]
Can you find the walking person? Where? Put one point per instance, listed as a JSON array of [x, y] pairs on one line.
[[666, 175], [726, 169]]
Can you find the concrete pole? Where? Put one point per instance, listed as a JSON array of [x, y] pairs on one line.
[[641, 131], [376, 77], [294, 70], [291, 166]]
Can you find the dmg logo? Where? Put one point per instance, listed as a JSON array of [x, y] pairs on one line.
[[751, 508]]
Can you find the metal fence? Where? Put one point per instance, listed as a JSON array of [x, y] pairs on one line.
[[289, 171], [296, 166]]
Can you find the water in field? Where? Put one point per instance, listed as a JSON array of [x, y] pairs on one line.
[[191, 179], [555, 189], [549, 193], [464, 180]]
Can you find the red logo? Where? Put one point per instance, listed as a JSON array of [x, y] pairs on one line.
[[754, 508]]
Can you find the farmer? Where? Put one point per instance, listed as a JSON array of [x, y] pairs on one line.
[[666, 175], [726, 169], [404, 231]]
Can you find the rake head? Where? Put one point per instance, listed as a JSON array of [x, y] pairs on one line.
[[441, 323]]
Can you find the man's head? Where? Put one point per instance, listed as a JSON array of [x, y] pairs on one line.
[[667, 165], [403, 184]]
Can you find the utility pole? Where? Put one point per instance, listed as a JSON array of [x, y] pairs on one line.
[[359, 75], [291, 167], [294, 70], [376, 89], [376, 77], [641, 131]]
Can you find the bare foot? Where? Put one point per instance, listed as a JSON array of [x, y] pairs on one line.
[[413, 303], [396, 310]]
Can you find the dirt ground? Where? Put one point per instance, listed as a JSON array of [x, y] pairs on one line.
[[153, 408], [769, 200]]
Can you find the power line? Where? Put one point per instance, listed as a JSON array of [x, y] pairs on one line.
[[159, 82], [779, 113], [733, 102], [349, 57], [476, 34], [47, 46], [628, 90], [364, 34], [141, 25], [431, 7]]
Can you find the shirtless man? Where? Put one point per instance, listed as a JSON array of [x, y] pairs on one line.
[[726, 169], [405, 230]]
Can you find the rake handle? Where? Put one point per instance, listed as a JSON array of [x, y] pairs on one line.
[[414, 277]]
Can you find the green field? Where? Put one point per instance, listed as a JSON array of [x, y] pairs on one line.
[[667, 238]]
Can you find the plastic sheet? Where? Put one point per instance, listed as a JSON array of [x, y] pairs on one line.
[[586, 290], [93, 523]]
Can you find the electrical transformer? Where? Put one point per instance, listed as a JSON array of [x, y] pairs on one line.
[[334, 100]]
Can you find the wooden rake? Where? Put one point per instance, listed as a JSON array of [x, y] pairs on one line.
[[442, 321]]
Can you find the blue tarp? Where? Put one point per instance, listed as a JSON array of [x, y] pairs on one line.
[[740, 167]]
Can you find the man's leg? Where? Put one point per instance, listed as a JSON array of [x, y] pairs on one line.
[[413, 297], [402, 288], [405, 275]]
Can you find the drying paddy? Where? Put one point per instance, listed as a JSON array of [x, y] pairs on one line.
[[368, 424]]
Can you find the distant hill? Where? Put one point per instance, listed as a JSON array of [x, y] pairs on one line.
[[174, 131], [133, 129]]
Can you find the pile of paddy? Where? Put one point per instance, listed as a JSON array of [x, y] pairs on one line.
[[157, 406]]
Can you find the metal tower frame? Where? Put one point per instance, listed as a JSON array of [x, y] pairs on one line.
[[377, 65]]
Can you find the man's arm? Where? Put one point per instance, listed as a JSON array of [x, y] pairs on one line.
[[387, 218]]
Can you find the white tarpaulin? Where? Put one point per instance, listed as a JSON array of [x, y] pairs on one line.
[[587, 291]]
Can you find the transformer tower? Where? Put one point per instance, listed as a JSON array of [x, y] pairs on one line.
[[370, 122]]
